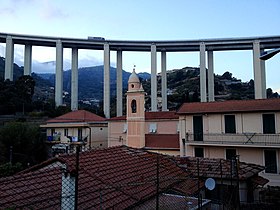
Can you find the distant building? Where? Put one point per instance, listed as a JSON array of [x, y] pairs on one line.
[[249, 129], [76, 127]]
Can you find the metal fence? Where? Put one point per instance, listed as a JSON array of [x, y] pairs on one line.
[[73, 183]]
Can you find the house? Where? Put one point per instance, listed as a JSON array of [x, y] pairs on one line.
[[76, 127], [112, 178], [249, 129], [228, 177], [154, 131]]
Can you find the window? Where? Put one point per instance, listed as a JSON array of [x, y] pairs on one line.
[[270, 161], [198, 128], [133, 106], [153, 128], [230, 124], [80, 134], [124, 128], [230, 154], [66, 132], [52, 132], [268, 124], [198, 152]]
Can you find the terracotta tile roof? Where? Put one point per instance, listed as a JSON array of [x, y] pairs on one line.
[[162, 141], [77, 116], [211, 167], [152, 116], [161, 115], [117, 118], [123, 176], [231, 106]]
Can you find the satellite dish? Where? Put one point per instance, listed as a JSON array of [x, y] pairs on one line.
[[210, 184]]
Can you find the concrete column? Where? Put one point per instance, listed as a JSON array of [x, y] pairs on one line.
[[202, 73], [211, 96], [59, 74], [9, 58], [106, 97], [259, 72], [163, 81], [263, 72], [119, 84], [27, 59], [74, 80], [153, 77]]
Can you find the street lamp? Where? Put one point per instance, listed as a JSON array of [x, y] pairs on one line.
[[270, 53]]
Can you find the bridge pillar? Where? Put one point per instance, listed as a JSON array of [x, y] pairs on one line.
[[9, 58], [211, 96], [163, 81], [119, 84], [106, 97], [202, 73], [153, 77], [27, 59], [259, 72], [74, 80], [59, 74]]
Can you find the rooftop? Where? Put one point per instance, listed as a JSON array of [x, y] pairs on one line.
[[77, 116], [257, 105], [122, 175], [215, 167]]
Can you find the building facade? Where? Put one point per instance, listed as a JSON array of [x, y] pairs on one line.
[[249, 130], [76, 127]]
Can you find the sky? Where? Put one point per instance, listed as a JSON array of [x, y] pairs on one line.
[[145, 20]]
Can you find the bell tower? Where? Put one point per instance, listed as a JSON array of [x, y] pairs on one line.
[[135, 112]]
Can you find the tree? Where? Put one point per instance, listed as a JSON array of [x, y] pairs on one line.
[[227, 75], [24, 142]]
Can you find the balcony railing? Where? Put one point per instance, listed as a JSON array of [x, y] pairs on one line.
[[234, 139], [70, 139]]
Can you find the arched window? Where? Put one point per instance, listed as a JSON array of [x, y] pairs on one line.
[[133, 106], [132, 85]]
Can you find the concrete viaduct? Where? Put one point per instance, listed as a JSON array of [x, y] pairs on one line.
[[256, 44]]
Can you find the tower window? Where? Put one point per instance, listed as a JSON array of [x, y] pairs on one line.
[[133, 106], [132, 86]]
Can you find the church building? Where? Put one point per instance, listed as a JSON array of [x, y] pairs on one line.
[[155, 131]]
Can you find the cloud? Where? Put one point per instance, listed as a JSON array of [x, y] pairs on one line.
[[7, 11], [49, 11]]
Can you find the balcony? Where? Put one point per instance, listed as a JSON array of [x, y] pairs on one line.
[[243, 139], [56, 139]]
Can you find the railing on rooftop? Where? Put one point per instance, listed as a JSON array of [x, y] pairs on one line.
[[255, 139]]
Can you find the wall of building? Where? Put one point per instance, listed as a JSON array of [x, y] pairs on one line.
[[98, 138], [245, 123], [163, 126], [116, 133]]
